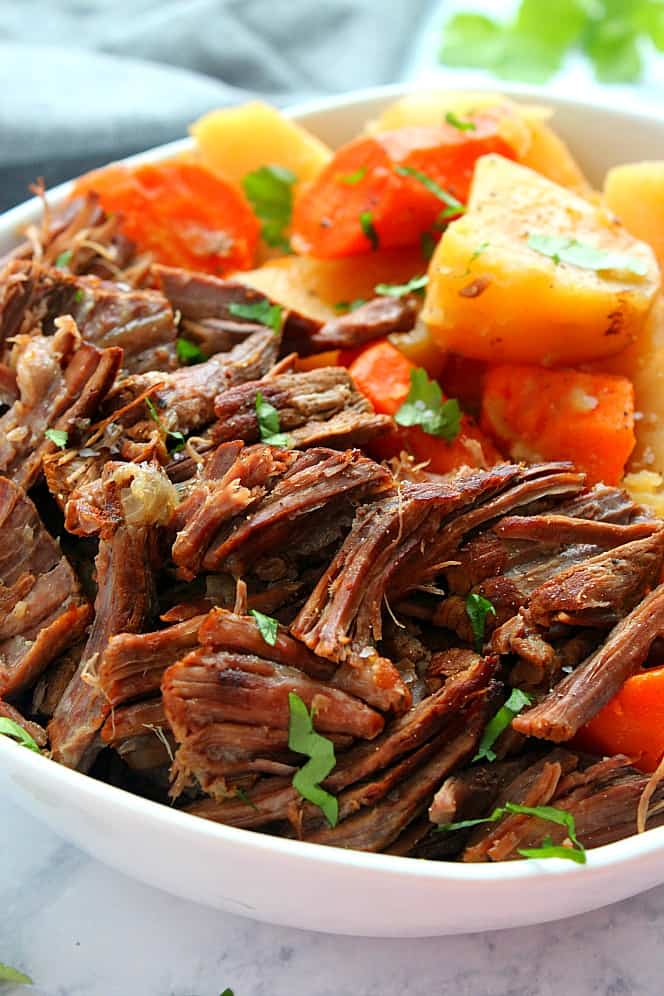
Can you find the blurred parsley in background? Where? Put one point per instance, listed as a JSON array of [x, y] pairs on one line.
[[613, 34]]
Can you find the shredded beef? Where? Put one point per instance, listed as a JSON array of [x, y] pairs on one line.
[[377, 318]]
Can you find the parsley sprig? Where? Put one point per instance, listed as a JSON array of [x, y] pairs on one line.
[[517, 701], [303, 739], [550, 813], [188, 352], [269, 428], [425, 407], [58, 436], [9, 974], [575, 253], [477, 609], [269, 190], [263, 312], [9, 728], [456, 122], [369, 229], [267, 626], [454, 206], [414, 286], [174, 439]]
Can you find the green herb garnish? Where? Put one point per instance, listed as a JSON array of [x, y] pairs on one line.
[[241, 794], [9, 974], [227, 992], [58, 436], [533, 44], [9, 728], [78, 296], [269, 190], [188, 352], [477, 609], [427, 245], [367, 226], [303, 739], [454, 206], [414, 286], [267, 626], [270, 315], [269, 428], [352, 178], [343, 307], [175, 440], [456, 122], [63, 260], [517, 701], [549, 813], [425, 407], [563, 250]]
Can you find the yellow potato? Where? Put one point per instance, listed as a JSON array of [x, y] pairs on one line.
[[314, 286], [236, 140], [493, 297], [635, 193], [523, 127]]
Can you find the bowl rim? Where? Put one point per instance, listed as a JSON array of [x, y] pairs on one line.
[[599, 861]]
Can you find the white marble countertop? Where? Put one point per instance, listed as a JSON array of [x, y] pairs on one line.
[[80, 929]]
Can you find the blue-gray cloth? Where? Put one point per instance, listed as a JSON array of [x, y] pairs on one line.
[[85, 81]]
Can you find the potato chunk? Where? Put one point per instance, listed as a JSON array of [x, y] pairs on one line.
[[636, 194], [236, 140], [493, 297]]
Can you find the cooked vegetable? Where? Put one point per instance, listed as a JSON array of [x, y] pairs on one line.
[[182, 213], [635, 193], [495, 296], [632, 723], [536, 414], [332, 219], [236, 141]]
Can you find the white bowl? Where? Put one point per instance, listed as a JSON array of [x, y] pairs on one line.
[[308, 885]]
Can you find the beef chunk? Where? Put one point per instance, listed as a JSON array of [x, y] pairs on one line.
[[377, 318]]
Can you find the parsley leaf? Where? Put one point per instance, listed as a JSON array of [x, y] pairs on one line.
[[549, 813], [63, 260], [241, 794], [267, 417], [270, 315], [343, 307], [9, 728], [269, 190], [352, 178], [416, 285], [9, 974], [551, 850], [477, 609], [427, 245], [456, 122], [58, 436], [425, 407], [188, 352], [367, 226], [227, 992], [267, 626], [517, 701], [575, 253], [175, 440], [454, 206], [303, 739]]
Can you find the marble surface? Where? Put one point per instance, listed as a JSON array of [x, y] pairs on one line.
[[80, 929]]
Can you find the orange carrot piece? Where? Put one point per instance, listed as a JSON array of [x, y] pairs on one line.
[[631, 723], [330, 358], [361, 200], [181, 212], [540, 414], [382, 374]]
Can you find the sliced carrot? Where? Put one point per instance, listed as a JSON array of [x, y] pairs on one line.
[[540, 414], [361, 200], [330, 358], [382, 374], [181, 212], [631, 723]]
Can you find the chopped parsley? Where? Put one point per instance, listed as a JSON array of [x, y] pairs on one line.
[[517, 701], [227, 992], [414, 286], [456, 122], [303, 739], [352, 178], [367, 226], [78, 296], [564, 250], [241, 794], [477, 609], [269, 190], [58, 436], [269, 428], [267, 626], [175, 440], [343, 307], [8, 728], [263, 312], [550, 813], [64, 259], [532, 45], [188, 352], [9, 974], [454, 206], [425, 407]]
